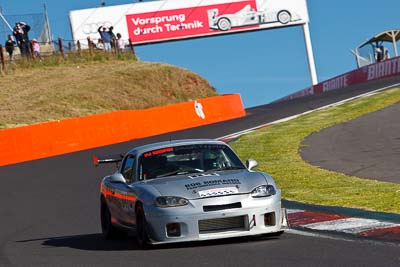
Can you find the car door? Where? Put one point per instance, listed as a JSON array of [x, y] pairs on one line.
[[117, 192], [126, 199]]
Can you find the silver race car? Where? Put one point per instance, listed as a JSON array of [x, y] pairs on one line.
[[188, 190]]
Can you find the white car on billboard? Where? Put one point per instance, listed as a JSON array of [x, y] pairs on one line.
[[248, 16]]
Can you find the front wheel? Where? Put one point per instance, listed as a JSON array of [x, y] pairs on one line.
[[284, 17], [224, 24], [142, 238]]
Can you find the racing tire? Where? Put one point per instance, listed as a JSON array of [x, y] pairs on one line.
[[284, 16], [108, 230], [224, 24], [142, 238]]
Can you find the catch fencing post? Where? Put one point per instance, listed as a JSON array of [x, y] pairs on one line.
[[60, 46], [78, 44], [3, 63], [31, 51], [131, 46], [90, 46], [114, 47]]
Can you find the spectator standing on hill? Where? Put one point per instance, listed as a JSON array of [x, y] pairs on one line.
[[100, 44], [112, 34], [20, 32], [9, 45], [379, 54], [106, 36], [385, 52], [120, 42], [36, 49]]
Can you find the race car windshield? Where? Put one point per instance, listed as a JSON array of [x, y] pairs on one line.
[[187, 159]]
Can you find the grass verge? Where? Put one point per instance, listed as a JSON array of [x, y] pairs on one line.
[[276, 149]]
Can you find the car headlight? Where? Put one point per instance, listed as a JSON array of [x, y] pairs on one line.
[[167, 202], [263, 191]]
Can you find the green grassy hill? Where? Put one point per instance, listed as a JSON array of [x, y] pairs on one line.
[[39, 92]]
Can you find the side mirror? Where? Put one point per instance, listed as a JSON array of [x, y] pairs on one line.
[[117, 178], [251, 163]]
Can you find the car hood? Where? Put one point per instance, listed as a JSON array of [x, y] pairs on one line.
[[208, 184]]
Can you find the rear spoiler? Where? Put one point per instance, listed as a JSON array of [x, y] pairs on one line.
[[110, 159]]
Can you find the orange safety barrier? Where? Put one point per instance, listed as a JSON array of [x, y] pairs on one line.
[[64, 136]]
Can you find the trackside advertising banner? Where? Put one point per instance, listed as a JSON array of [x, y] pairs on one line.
[[158, 21], [377, 71]]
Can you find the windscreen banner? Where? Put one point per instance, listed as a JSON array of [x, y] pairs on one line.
[[158, 21]]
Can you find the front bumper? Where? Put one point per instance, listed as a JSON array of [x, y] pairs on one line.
[[256, 216]]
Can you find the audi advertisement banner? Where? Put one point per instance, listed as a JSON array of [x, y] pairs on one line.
[[158, 21]]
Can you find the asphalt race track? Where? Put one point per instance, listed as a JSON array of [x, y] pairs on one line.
[[49, 213], [367, 147]]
